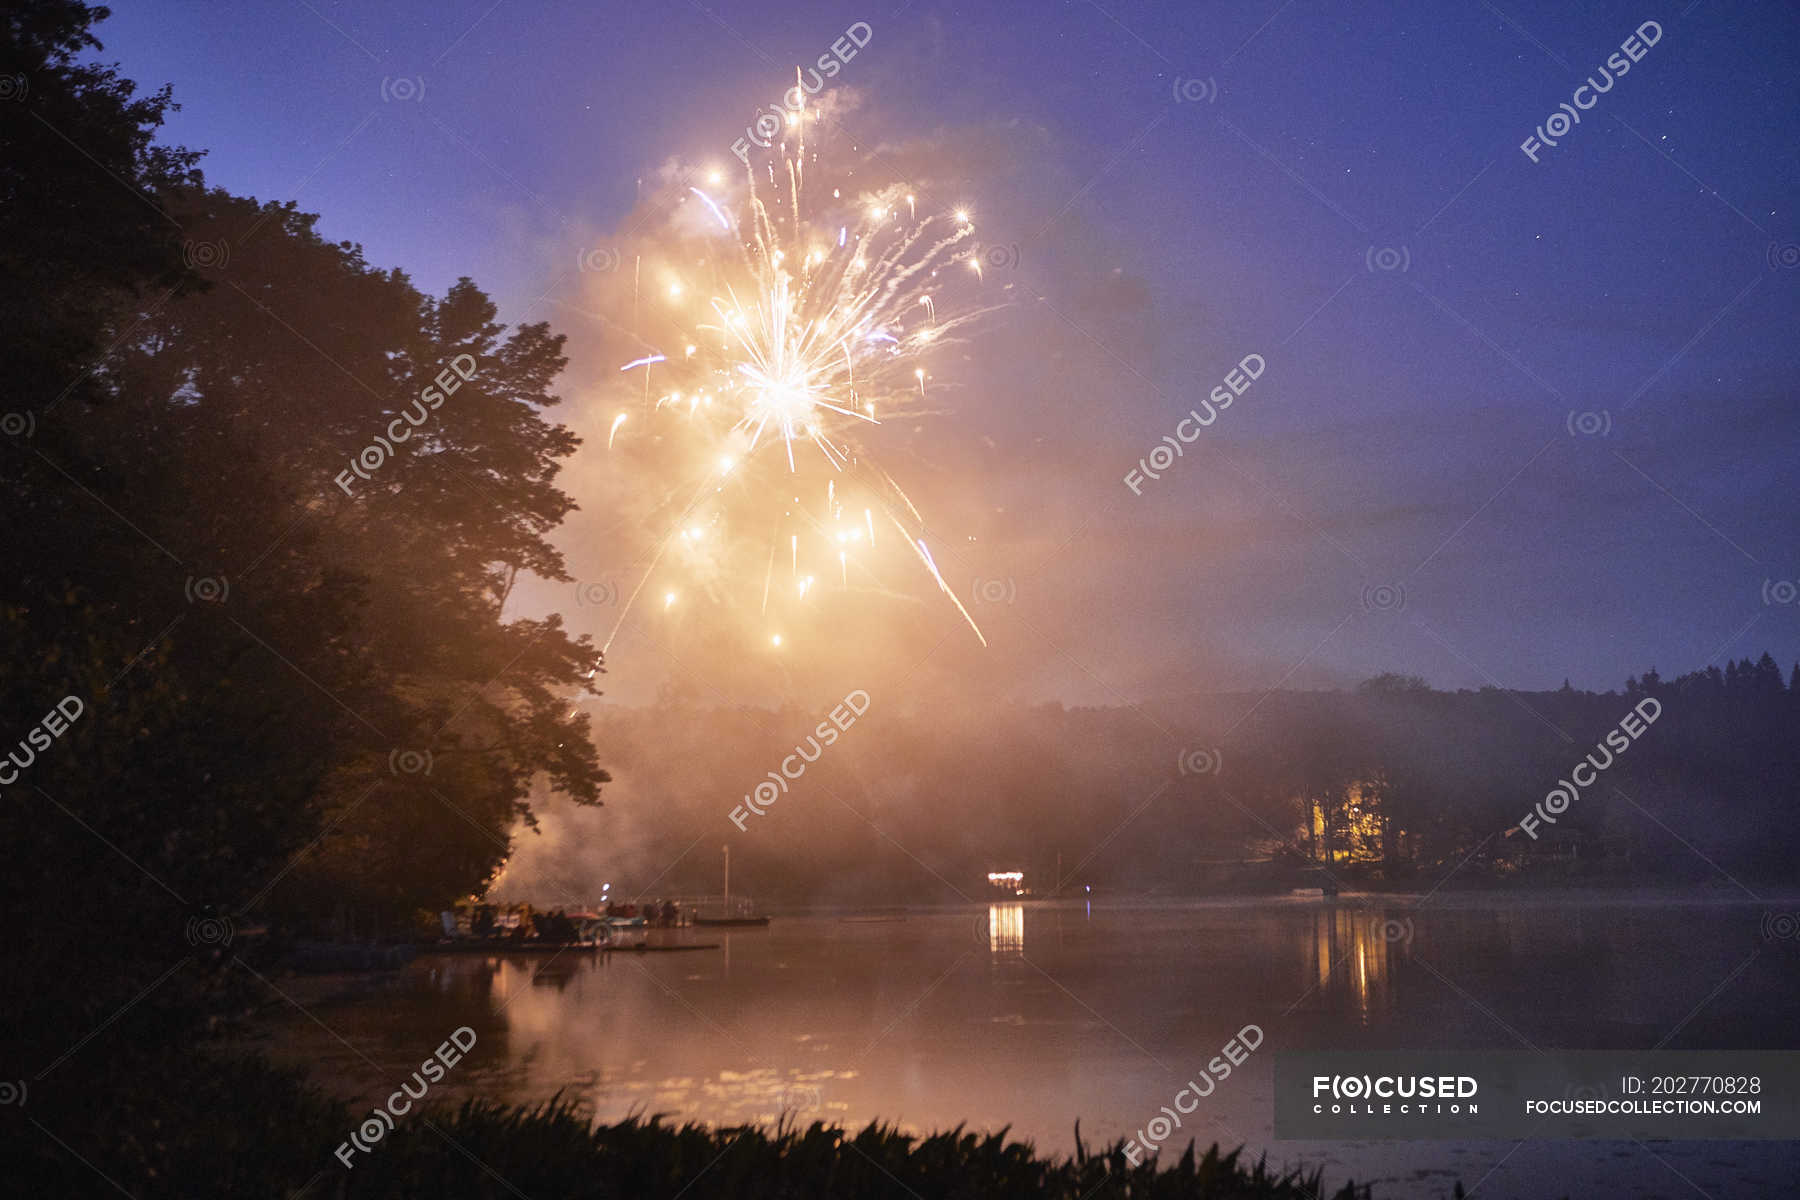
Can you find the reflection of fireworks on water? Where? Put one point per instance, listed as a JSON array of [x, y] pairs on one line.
[[780, 326]]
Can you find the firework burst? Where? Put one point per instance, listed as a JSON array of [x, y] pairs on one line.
[[782, 322]]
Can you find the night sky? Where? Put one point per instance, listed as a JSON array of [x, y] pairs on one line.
[[1520, 420]]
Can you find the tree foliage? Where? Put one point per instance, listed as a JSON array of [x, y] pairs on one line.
[[299, 702]]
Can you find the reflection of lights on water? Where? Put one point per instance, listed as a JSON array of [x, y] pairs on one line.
[[1363, 985], [1006, 928]]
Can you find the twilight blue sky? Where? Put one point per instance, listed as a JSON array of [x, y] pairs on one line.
[[1343, 191]]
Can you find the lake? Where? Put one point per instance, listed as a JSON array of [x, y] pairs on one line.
[[1035, 1015]]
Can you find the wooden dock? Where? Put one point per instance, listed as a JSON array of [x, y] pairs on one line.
[[555, 948]]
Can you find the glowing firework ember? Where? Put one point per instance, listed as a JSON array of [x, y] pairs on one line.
[[778, 328]]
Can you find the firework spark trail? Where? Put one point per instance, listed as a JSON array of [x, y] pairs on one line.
[[800, 326], [723, 223], [924, 554]]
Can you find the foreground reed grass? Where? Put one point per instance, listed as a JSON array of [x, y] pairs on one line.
[[491, 1150], [169, 1124]]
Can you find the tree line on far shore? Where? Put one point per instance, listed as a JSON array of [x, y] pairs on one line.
[[1676, 781]]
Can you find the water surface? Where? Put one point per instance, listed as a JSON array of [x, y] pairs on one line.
[[1037, 1015]]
